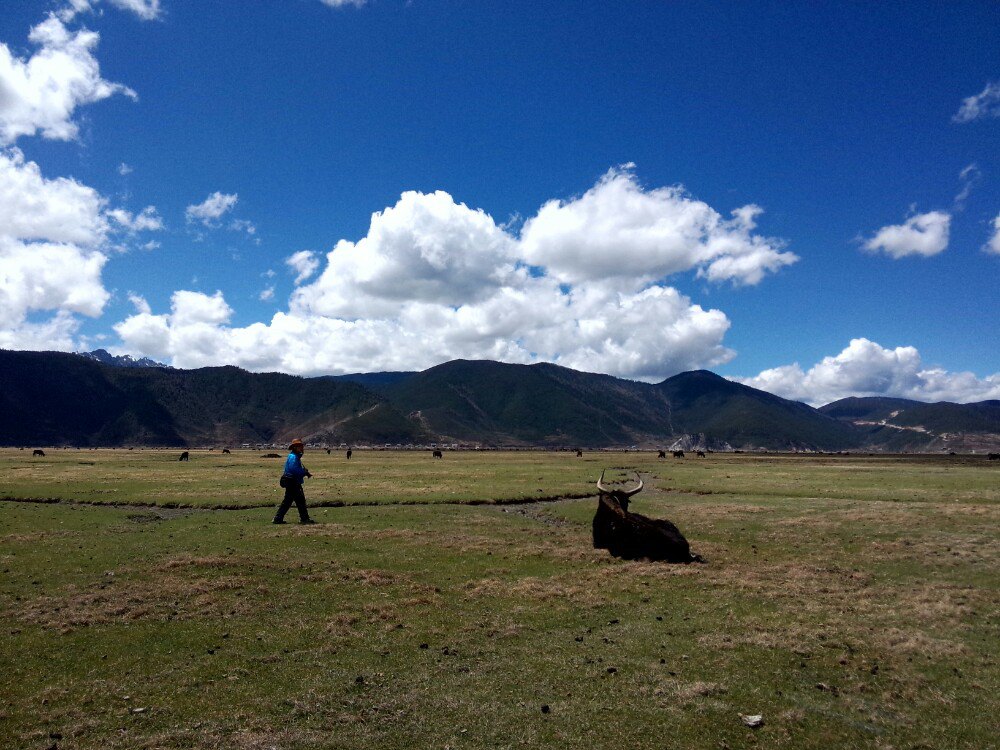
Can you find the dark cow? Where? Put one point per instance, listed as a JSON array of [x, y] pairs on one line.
[[579, 454], [678, 454], [328, 451], [700, 454], [349, 453], [184, 457], [225, 450], [271, 455], [38, 452], [437, 454], [633, 536], [993, 457], [661, 454]]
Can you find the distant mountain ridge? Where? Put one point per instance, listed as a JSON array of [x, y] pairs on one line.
[[51, 398], [903, 424], [124, 360]]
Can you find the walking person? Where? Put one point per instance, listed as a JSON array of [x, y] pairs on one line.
[[291, 480]]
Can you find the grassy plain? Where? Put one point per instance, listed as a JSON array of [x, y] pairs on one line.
[[851, 601]]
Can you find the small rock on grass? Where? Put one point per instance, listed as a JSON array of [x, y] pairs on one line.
[[753, 721]]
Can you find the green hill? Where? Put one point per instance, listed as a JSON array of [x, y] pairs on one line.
[[54, 398], [896, 424], [49, 398], [530, 404], [738, 415]]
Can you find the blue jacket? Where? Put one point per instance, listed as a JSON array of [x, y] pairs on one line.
[[294, 467]]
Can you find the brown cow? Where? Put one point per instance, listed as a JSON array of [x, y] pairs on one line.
[[633, 536]]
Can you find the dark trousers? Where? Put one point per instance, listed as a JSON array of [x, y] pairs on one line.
[[293, 494]]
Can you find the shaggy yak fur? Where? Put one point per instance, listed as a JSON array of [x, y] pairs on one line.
[[633, 536]]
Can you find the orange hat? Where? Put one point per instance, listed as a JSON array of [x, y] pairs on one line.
[[297, 442]]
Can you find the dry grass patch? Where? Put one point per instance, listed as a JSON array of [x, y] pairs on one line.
[[166, 598]]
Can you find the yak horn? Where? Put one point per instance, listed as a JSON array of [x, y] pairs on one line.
[[637, 489], [600, 486]]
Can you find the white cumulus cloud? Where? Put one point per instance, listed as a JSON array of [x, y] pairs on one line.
[[434, 279], [923, 234], [865, 368], [42, 93], [984, 104], [210, 210], [618, 229], [53, 242]]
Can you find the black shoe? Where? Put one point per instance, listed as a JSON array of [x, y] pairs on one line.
[[278, 520], [308, 520]]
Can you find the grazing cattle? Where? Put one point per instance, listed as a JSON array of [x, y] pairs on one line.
[[678, 454], [700, 454], [437, 454], [38, 452], [225, 450], [993, 457], [271, 455], [184, 457], [579, 454], [661, 454], [633, 536], [328, 451], [349, 453]]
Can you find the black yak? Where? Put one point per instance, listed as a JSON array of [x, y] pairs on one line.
[[184, 456], [633, 536]]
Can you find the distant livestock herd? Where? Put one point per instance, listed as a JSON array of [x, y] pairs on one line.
[[186, 456]]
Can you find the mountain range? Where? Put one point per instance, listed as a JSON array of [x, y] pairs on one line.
[[51, 398]]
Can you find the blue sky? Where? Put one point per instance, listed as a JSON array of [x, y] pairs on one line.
[[556, 182]]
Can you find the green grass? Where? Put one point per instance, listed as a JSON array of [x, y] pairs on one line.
[[851, 601]]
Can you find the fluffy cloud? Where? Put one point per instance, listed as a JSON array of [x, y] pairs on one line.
[[344, 3], [865, 368], [210, 210], [434, 279], [51, 232], [982, 105], [59, 210], [617, 229], [304, 263], [41, 94], [993, 246], [923, 234]]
